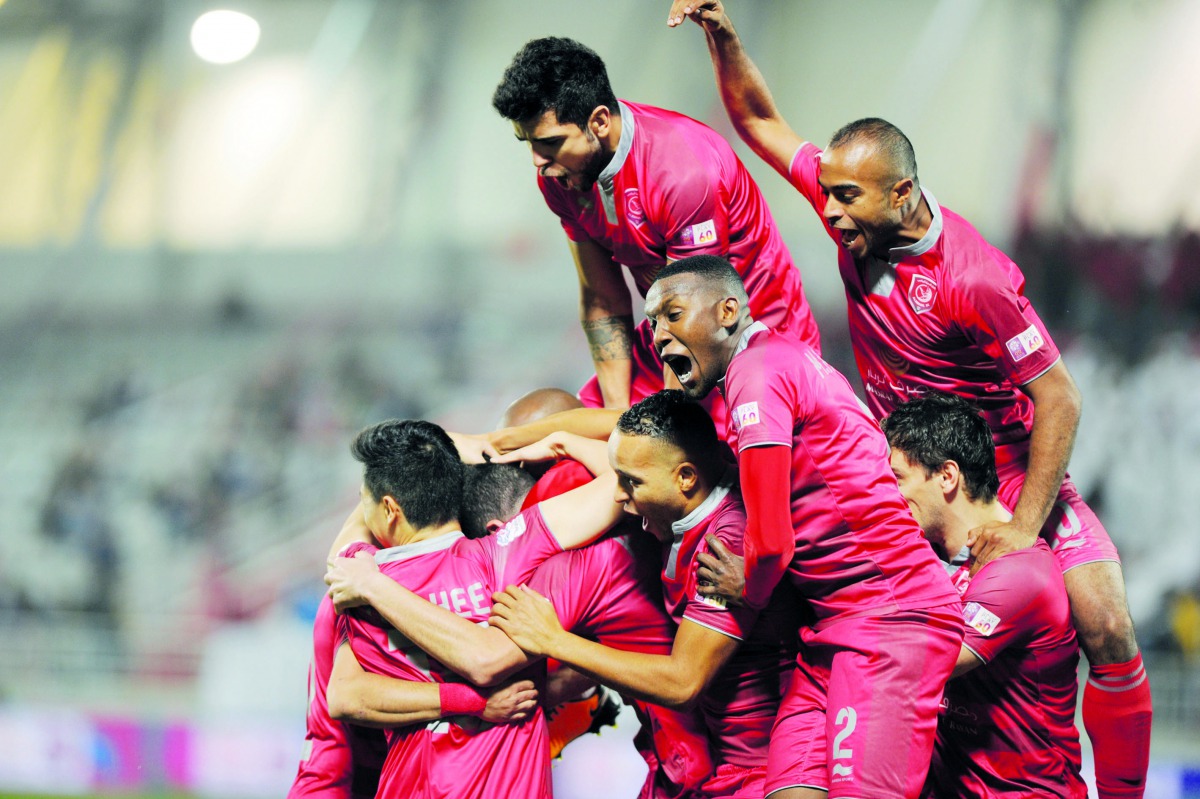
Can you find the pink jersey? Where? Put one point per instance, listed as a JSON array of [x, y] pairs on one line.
[[610, 592], [341, 761], [1007, 728], [947, 313], [461, 756], [741, 703], [858, 549], [675, 188]]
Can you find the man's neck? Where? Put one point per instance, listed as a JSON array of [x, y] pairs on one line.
[[962, 518], [914, 225], [412, 536]]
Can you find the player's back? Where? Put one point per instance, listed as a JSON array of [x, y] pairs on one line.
[[1007, 728], [858, 549], [457, 756]]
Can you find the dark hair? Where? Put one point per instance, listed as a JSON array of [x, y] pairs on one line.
[[672, 417], [710, 268], [415, 463], [554, 74], [937, 428], [491, 491], [890, 140]]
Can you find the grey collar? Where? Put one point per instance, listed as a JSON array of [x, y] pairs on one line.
[[926, 242], [406, 551], [607, 178]]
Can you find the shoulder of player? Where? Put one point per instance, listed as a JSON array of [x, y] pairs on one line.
[[967, 259], [1030, 572]]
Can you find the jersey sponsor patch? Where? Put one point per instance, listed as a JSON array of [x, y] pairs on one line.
[[510, 532], [922, 293], [745, 415], [1025, 343], [700, 233], [979, 617], [633, 208], [711, 601]]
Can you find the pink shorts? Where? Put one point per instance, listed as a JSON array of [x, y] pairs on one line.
[[647, 379], [1072, 530], [735, 782], [871, 730]]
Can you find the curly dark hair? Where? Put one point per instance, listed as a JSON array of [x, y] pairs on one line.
[[554, 74]]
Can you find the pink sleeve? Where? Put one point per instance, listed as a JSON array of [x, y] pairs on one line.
[[1000, 607], [518, 548], [735, 621], [564, 208], [764, 402], [1002, 322], [804, 176], [689, 211]]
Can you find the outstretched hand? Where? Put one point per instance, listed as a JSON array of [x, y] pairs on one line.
[[721, 573], [990, 541], [709, 14], [549, 448], [511, 702], [473, 448], [347, 578], [527, 618]]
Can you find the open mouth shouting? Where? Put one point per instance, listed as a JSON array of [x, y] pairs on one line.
[[683, 368]]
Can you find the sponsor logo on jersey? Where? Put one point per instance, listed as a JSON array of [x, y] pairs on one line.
[[633, 208], [699, 234], [896, 364], [711, 601], [979, 617], [922, 293], [1026, 343], [511, 532], [745, 415]]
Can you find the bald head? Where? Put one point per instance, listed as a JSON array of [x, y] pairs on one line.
[[538, 404], [885, 140]]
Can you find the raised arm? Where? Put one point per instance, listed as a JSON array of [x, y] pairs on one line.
[[1056, 409], [595, 423], [373, 700], [675, 680], [747, 99], [606, 312]]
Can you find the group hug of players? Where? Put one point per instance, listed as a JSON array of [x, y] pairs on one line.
[[800, 595]]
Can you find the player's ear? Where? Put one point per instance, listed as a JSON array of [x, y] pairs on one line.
[[600, 121], [686, 476], [950, 477], [729, 312], [493, 525], [901, 192]]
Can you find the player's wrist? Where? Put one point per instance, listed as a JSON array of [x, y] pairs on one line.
[[457, 699]]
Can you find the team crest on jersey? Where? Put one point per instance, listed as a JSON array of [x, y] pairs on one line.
[[510, 532], [979, 617], [922, 293], [1025, 343], [700, 233], [745, 415], [633, 208]]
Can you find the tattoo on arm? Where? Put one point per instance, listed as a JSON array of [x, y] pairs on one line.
[[610, 338]]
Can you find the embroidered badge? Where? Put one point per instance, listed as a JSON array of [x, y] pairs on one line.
[[979, 617], [633, 208], [922, 293], [745, 415], [1025, 343]]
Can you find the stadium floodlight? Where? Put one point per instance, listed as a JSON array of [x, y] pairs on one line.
[[223, 36]]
